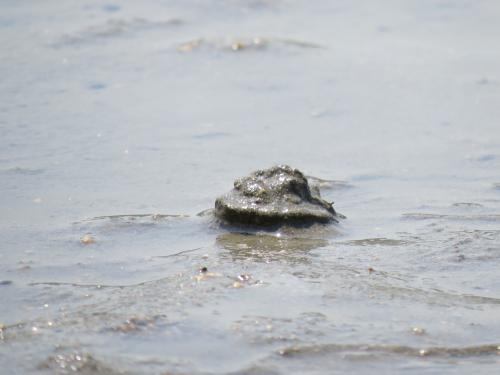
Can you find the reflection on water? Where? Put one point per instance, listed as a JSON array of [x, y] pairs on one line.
[[249, 242], [267, 247]]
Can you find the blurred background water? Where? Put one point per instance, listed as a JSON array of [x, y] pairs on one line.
[[122, 120]]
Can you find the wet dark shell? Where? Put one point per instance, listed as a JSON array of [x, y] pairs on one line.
[[274, 196]]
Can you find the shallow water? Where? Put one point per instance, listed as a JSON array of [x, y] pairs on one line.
[[120, 121]]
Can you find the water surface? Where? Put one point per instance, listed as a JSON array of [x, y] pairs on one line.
[[120, 121]]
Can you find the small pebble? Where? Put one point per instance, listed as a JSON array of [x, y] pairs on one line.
[[244, 277], [5, 282], [87, 239], [237, 46], [204, 274], [237, 285], [418, 331]]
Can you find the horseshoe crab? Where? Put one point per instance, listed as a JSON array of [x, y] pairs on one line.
[[275, 196]]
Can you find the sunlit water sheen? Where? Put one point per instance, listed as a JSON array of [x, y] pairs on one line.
[[120, 121]]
